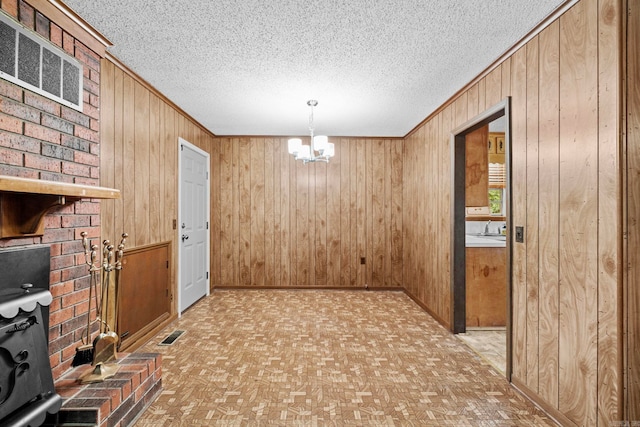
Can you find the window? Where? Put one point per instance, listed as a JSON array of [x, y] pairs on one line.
[[32, 62], [496, 201]]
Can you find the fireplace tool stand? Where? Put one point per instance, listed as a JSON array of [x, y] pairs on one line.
[[105, 344]]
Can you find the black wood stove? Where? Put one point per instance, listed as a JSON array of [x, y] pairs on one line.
[[27, 392]]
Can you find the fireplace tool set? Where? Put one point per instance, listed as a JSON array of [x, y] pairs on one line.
[[102, 351]]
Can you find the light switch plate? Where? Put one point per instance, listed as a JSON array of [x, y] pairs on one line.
[[519, 234]]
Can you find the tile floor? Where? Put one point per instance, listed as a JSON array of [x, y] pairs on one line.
[[490, 344], [325, 358]]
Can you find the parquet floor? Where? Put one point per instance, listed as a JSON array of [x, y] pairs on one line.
[[325, 358]]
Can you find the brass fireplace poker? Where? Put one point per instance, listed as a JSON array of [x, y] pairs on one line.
[[84, 353], [106, 343]]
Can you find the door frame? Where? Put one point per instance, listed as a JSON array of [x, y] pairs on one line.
[[183, 142], [458, 211]]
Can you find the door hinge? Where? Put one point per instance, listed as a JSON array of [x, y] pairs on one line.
[[207, 225], [167, 263], [181, 147], [207, 275]]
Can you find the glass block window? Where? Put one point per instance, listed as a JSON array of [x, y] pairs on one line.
[[34, 63]]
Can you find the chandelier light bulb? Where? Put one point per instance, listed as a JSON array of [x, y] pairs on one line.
[[294, 145], [319, 143]]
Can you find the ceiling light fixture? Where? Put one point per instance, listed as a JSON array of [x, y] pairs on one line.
[[319, 144]]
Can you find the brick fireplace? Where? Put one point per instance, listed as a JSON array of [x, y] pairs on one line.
[[47, 141], [42, 139]]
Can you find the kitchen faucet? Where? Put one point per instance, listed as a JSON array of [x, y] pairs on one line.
[[486, 228]]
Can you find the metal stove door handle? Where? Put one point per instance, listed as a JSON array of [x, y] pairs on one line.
[[23, 325]]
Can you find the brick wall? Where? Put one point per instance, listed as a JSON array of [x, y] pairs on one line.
[[42, 139]]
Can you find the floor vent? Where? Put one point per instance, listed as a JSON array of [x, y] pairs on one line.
[[171, 338]]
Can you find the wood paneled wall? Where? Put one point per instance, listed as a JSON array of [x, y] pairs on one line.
[[279, 223], [632, 214], [565, 86], [139, 156]]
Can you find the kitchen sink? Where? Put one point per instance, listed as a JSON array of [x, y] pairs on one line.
[[492, 236]]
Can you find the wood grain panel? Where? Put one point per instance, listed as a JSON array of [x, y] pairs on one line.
[[154, 169], [334, 220], [493, 88], [128, 191], [256, 240], [549, 168], [303, 244], [482, 98], [227, 252], [170, 201], [343, 147], [244, 211], [472, 101], [354, 255], [378, 197], [632, 223], [397, 242], [609, 367], [140, 158], [145, 273], [117, 222], [506, 78], [519, 212], [107, 145], [269, 213], [320, 225], [361, 212], [443, 273], [285, 220], [323, 226], [215, 213], [531, 231], [578, 213], [141, 166], [311, 227], [235, 209]]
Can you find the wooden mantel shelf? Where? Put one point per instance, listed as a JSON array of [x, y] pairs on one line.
[[24, 202]]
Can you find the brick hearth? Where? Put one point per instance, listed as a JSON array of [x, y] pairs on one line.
[[117, 401]]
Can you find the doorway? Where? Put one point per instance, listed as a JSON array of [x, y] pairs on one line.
[[487, 228], [193, 220]]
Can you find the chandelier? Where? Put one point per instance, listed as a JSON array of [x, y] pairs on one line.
[[319, 144]]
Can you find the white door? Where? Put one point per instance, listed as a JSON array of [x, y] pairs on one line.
[[193, 220]]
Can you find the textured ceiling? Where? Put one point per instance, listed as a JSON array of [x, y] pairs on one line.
[[376, 67]]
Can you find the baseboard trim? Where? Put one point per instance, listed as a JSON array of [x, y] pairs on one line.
[[552, 412], [428, 310], [303, 288]]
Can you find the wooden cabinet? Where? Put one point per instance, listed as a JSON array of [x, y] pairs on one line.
[[486, 287], [477, 168], [144, 294], [496, 147], [492, 147]]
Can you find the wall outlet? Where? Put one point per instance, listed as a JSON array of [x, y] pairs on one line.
[[519, 234], [363, 260]]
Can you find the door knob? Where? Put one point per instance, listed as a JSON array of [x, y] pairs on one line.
[[185, 237]]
